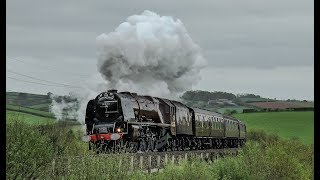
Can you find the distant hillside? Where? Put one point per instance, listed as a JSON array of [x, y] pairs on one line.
[[33, 104], [218, 101], [35, 101], [227, 102]]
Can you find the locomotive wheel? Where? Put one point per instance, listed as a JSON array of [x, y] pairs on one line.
[[118, 146], [132, 147], [98, 148], [210, 144], [170, 144], [173, 145], [150, 144], [142, 146], [199, 144], [182, 145]]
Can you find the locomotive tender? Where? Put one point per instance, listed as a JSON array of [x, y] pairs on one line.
[[127, 122]]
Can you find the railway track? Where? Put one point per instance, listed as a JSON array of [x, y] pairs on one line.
[[147, 162], [216, 151]]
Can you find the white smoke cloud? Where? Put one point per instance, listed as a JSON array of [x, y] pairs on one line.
[[62, 109], [148, 54]]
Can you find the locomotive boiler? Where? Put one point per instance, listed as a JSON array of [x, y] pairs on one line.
[[128, 122]]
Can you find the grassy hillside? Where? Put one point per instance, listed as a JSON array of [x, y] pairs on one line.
[[27, 99], [27, 118], [284, 124]]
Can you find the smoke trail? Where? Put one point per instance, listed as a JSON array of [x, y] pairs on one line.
[[64, 110], [148, 54]]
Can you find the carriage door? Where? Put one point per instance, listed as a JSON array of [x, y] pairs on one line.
[[173, 120]]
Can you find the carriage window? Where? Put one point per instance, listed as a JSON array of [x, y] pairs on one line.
[[166, 108]]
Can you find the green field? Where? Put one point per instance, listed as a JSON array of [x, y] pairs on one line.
[[42, 107], [29, 110], [284, 124], [12, 116]]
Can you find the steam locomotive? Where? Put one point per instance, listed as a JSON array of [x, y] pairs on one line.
[[127, 122]]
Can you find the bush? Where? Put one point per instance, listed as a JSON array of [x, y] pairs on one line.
[[30, 149], [63, 139], [268, 156], [27, 151], [261, 137]]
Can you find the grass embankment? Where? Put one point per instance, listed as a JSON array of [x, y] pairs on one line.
[[29, 110], [27, 118], [30, 150], [284, 124]]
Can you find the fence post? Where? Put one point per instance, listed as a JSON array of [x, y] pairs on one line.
[[131, 164], [149, 164], [165, 159], [120, 163], [69, 166], [141, 162], [158, 161], [53, 166], [84, 165]]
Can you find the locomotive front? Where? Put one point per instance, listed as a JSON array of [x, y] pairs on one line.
[[104, 118]]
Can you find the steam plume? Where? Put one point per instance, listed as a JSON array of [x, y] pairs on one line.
[[148, 54]]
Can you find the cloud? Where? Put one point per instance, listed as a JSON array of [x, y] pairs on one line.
[[280, 83], [232, 34]]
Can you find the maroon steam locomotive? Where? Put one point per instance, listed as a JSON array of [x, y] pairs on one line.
[[127, 122]]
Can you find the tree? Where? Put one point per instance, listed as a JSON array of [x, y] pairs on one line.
[[229, 112], [206, 96], [49, 94]]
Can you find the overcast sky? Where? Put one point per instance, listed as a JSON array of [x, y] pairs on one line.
[[260, 47]]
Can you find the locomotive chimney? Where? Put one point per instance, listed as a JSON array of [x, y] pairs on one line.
[[113, 90]]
